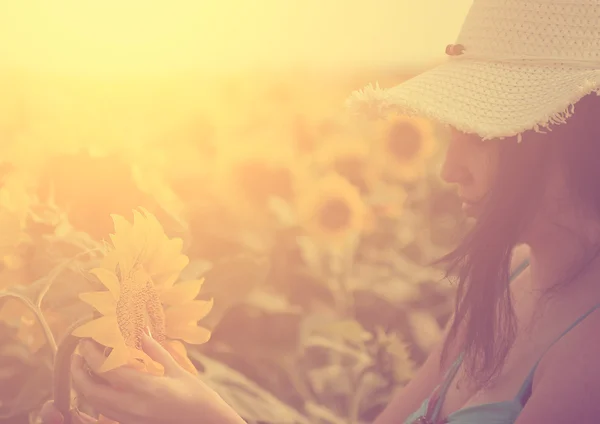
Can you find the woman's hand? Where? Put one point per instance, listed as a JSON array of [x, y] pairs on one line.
[[50, 415], [131, 397]]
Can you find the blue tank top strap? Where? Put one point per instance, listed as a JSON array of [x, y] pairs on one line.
[[448, 378], [520, 268], [525, 390]]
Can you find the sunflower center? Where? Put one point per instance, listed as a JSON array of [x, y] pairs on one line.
[[335, 214], [138, 309], [404, 141]]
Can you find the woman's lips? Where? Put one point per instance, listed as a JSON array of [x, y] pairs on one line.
[[468, 206]]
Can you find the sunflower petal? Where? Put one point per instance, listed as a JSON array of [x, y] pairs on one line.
[[117, 358], [150, 365], [123, 232], [110, 261], [104, 302], [179, 353], [104, 330], [122, 226], [167, 279], [156, 234], [122, 240], [189, 333], [140, 236], [109, 279], [168, 259], [181, 292], [189, 312]]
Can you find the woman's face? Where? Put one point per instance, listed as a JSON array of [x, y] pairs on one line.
[[471, 164]]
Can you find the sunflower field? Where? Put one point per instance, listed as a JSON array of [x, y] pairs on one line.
[[279, 248]]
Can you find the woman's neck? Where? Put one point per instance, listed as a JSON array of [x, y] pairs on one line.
[[560, 263]]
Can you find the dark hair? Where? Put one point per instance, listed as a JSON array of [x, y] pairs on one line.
[[483, 310]]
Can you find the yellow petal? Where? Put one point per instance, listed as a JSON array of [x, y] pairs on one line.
[[189, 312], [117, 358], [156, 235], [140, 237], [166, 279], [122, 226], [124, 251], [122, 240], [110, 261], [179, 353], [150, 365], [168, 259], [109, 279], [104, 330], [181, 292], [140, 277], [189, 333], [104, 302]]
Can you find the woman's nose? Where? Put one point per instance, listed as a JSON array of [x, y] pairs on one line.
[[454, 170]]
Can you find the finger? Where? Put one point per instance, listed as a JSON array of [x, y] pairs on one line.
[[122, 377], [81, 418], [103, 398], [96, 393], [159, 354], [50, 415]]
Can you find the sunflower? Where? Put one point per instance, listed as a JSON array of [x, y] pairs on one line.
[[350, 157], [405, 145], [140, 271], [394, 356], [252, 173], [332, 210]]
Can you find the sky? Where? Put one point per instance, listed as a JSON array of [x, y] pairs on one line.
[[124, 36]]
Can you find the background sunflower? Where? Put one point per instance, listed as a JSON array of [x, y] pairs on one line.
[[405, 145]]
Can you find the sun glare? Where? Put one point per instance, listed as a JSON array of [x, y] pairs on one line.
[[135, 36]]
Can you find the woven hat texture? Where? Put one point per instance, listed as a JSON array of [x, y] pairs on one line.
[[524, 64]]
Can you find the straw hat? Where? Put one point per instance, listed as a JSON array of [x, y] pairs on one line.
[[517, 65]]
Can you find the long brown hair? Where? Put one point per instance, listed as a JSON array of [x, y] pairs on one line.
[[481, 263]]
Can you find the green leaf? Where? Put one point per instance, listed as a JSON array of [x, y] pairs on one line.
[[322, 414]]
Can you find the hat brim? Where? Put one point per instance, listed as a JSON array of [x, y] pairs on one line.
[[492, 100]]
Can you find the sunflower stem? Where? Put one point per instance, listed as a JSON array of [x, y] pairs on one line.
[[358, 388], [38, 315], [62, 375]]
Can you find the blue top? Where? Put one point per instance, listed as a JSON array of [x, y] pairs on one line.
[[505, 412]]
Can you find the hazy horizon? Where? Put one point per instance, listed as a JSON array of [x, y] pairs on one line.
[[135, 37]]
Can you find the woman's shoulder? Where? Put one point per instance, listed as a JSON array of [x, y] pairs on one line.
[[579, 345], [566, 383]]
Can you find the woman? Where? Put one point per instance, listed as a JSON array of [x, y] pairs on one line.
[[520, 349]]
